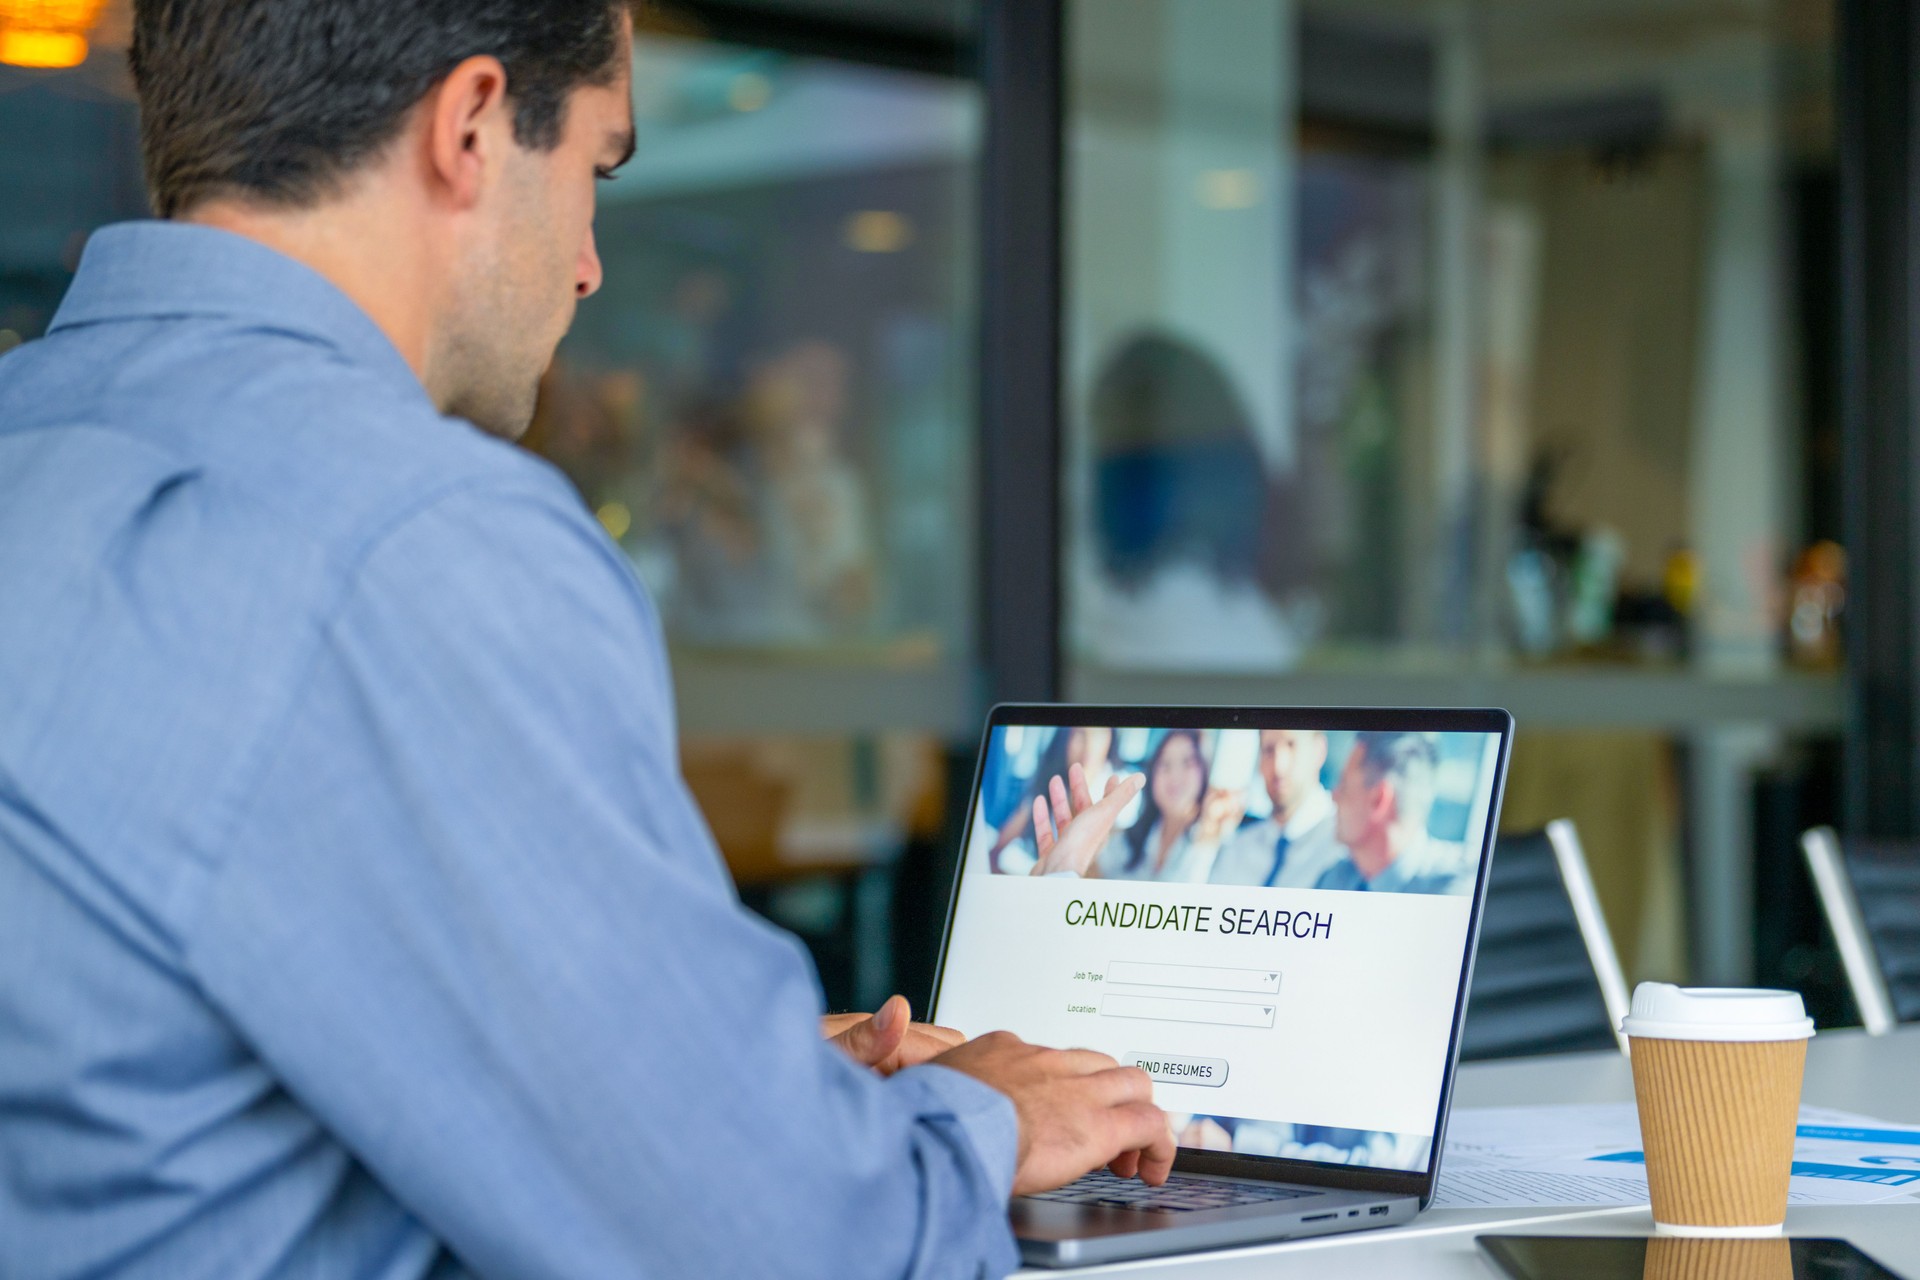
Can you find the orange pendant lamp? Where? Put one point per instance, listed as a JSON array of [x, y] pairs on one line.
[[46, 33]]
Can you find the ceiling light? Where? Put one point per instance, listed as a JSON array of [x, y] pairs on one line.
[[615, 518], [878, 231], [749, 91], [1229, 189], [46, 33]]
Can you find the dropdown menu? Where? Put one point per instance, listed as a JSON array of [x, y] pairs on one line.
[[1225, 1013], [1199, 977]]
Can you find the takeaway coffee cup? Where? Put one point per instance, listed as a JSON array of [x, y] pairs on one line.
[[1716, 1075]]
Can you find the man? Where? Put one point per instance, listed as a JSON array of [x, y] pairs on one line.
[[1382, 803], [354, 921], [1294, 845]]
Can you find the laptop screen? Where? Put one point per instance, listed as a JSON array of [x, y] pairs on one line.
[[1271, 916]]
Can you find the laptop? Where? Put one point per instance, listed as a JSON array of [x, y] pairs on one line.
[[1279, 928]]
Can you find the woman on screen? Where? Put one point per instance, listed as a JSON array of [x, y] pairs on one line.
[[1161, 843]]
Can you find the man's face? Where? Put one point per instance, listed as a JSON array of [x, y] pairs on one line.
[[1290, 764], [1356, 802], [534, 260]]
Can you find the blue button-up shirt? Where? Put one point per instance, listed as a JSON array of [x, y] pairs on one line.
[[354, 920], [1436, 867]]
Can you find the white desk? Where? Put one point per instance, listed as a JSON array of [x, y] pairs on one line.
[[1845, 1069]]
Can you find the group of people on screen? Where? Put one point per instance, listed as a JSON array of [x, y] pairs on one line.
[[1361, 821], [1326, 1144]]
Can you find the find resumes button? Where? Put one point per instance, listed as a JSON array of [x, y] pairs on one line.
[[1165, 1068]]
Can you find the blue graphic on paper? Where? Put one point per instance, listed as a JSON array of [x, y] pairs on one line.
[[1891, 1137], [1807, 1168]]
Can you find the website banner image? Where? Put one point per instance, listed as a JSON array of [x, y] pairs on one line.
[[1271, 922]]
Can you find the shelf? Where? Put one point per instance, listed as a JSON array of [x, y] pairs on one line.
[[825, 696], [1559, 697], [848, 693]]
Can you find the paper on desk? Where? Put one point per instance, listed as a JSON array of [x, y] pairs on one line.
[[1590, 1155]]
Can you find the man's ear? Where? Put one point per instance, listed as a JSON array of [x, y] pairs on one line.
[[468, 122], [1386, 803]]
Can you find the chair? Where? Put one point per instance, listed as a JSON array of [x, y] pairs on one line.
[[1547, 979], [1870, 892]]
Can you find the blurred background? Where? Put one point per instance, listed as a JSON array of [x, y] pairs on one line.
[[1539, 353]]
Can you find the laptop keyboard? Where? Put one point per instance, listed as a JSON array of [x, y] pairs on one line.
[[1177, 1195]]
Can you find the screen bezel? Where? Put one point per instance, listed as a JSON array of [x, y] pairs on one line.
[[1485, 720]]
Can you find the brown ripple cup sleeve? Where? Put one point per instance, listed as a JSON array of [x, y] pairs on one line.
[[1716, 1079]]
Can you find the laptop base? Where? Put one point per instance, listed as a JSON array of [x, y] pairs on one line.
[[1055, 1234]]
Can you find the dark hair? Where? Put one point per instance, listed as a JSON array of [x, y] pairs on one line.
[[1411, 760], [278, 99], [1150, 810], [1177, 474]]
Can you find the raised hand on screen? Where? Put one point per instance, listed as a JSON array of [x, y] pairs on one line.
[[1220, 814], [1070, 827]]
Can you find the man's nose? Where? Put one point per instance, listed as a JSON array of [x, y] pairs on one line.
[[587, 274]]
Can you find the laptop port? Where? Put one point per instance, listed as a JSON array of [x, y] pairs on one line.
[[1379, 1210], [1319, 1217]]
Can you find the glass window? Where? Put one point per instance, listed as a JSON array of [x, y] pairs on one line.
[[769, 404], [1442, 333], [770, 407]]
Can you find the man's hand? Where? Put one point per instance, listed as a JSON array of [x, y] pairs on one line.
[[1078, 1110], [1069, 834], [889, 1040]]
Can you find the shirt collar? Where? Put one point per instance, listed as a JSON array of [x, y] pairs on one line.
[[1429, 857], [1395, 876], [151, 270], [1311, 813], [1342, 875]]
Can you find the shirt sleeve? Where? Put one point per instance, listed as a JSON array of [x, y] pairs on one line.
[[468, 915]]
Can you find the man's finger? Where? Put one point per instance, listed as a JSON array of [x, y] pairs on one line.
[[1125, 1165], [1142, 1128], [1080, 1062], [1117, 1086], [920, 1045], [872, 1041], [945, 1035], [832, 1024]]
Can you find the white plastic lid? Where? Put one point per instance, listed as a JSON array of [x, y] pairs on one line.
[[1662, 1011]]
